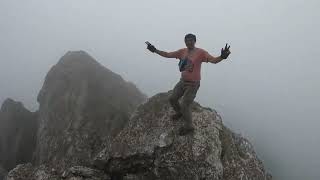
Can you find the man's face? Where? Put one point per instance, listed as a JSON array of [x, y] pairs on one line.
[[190, 42]]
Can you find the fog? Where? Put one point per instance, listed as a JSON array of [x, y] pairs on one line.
[[267, 90]]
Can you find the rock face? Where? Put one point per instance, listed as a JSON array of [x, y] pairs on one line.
[[18, 128], [149, 147], [239, 159], [82, 106], [29, 172]]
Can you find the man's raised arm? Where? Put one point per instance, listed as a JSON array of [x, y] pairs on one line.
[[213, 59], [174, 54], [224, 55]]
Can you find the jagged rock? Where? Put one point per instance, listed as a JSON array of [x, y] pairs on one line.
[[21, 172], [87, 173], [29, 172], [18, 128], [239, 159], [149, 147], [82, 106]]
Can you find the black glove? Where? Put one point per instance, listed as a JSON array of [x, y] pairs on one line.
[[150, 47], [225, 52]]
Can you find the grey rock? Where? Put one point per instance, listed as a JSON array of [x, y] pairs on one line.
[[21, 172], [149, 147], [239, 158], [150, 144], [82, 106], [18, 128], [88, 173], [29, 172]]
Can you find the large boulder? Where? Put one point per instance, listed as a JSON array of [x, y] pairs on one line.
[[82, 106], [149, 147], [18, 129]]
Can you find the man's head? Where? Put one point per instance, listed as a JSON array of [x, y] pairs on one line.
[[190, 40]]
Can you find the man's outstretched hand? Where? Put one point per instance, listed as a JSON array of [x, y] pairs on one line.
[[150, 47], [225, 52]]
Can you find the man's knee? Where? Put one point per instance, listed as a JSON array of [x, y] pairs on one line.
[[173, 100], [185, 105]]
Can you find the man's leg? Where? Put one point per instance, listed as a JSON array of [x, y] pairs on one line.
[[177, 93], [188, 98]]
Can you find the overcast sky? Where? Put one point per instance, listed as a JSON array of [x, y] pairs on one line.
[[268, 90]]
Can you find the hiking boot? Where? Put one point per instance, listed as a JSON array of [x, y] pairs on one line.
[[186, 130], [176, 116]]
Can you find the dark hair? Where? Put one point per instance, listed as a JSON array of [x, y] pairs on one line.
[[190, 36]]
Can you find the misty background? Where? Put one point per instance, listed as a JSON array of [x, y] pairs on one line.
[[267, 90]]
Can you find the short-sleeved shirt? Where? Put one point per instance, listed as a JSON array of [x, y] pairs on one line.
[[192, 71]]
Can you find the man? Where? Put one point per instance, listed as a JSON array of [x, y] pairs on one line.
[[190, 68]]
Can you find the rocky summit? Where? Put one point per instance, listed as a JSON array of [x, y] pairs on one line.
[[93, 125], [150, 147]]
